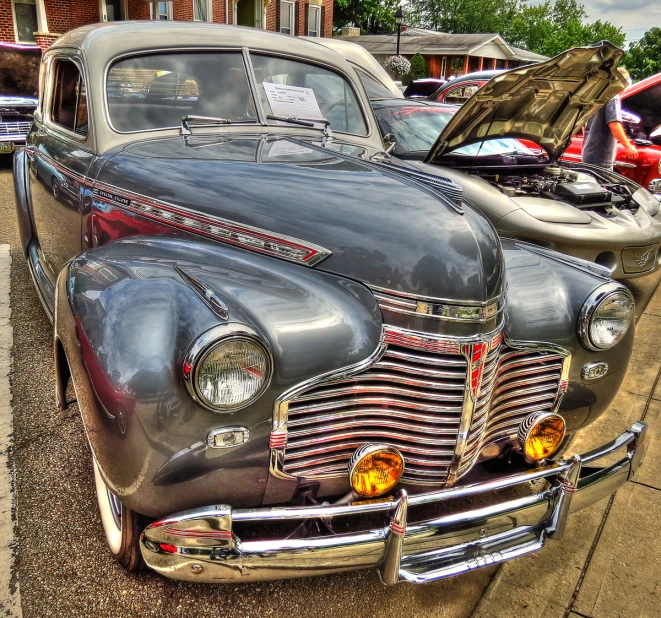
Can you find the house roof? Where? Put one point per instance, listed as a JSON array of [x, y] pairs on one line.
[[428, 42]]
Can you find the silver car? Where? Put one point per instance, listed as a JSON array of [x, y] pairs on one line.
[[522, 186]]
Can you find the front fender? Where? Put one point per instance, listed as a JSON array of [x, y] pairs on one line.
[[21, 197], [125, 318], [544, 299]]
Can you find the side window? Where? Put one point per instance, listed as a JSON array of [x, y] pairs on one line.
[[460, 94], [69, 97]]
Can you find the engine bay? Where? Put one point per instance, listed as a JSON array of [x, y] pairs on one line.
[[583, 190]]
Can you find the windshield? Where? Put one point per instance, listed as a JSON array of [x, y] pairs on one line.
[[415, 127], [155, 91], [290, 88]]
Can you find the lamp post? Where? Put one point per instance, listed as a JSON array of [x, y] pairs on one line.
[[399, 18]]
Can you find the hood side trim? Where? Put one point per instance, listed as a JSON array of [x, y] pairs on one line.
[[215, 228]]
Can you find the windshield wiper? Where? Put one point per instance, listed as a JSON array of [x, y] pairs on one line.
[[201, 121], [304, 123]]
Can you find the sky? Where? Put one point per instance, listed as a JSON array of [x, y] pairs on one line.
[[635, 17]]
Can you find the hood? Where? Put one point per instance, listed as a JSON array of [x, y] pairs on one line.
[[545, 103], [19, 73], [382, 228], [644, 100]]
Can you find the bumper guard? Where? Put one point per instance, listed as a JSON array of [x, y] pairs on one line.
[[200, 545]]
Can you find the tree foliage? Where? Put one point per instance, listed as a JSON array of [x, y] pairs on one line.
[[644, 57], [552, 27], [371, 16], [547, 28], [418, 68]]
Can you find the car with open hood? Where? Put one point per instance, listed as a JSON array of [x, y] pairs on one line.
[[281, 371], [19, 89], [641, 117], [504, 147]]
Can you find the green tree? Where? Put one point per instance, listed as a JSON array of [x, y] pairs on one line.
[[644, 57], [548, 28], [371, 16], [418, 68]]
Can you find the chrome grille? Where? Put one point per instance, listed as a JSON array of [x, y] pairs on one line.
[[409, 398], [18, 127], [523, 381], [414, 395]]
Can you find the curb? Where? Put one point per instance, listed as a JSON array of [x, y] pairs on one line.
[[10, 598], [485, 604]]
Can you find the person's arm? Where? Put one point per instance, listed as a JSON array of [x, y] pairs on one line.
[[617, 130]]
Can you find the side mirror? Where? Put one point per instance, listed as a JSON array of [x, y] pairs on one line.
[[389, 141]]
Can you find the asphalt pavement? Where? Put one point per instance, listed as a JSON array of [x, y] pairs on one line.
[[63, 564]]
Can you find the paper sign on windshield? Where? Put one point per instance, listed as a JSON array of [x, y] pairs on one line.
[[292, 101], [285, 148]]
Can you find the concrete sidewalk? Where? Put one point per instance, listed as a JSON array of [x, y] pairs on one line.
[[608, 564]]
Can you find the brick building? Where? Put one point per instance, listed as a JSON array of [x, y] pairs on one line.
[[42, 21]]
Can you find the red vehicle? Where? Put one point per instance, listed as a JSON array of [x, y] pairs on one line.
[[642, 122], [458, 91]]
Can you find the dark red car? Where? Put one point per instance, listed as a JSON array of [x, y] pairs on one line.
[[642, 122], [458, 91]]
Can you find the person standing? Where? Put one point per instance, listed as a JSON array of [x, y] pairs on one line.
[[604, 131]]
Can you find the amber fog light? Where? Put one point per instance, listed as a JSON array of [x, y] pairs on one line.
[[541, 435], [375, 469]]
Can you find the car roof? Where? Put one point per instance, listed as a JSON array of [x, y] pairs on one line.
[[477, 75], [101, 44], [641, 85], [123, 37]]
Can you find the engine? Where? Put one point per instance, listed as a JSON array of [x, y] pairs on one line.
[[580, 189]]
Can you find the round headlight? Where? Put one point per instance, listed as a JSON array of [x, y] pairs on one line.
[[228, 373], [606, 317]]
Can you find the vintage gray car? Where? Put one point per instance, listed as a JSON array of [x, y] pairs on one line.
[[528, 194], [281, 371]]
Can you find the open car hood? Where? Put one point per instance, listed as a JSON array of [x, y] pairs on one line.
[[545, 103], [644, 100]]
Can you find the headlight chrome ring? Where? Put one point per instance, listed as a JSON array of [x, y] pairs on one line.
[[226, 335], [603, 295]]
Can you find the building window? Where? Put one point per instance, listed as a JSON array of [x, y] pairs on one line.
[[160, 11], [69, 97], [202, 10], [25, 20], [314, 20], [287, 17], [457, 63]]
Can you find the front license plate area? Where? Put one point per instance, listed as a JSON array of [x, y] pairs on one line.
[[6, 147]]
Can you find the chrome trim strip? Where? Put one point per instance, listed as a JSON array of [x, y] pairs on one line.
[[206, 294], [440, 311], [449, 301], [216, 228]]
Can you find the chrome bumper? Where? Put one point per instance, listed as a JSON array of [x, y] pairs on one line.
[[201, 545]]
